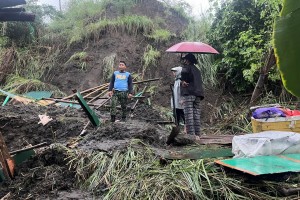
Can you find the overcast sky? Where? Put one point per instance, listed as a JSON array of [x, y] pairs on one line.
[[197, 5]]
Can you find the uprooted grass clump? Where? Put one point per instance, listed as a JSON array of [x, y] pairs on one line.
[[136, 173]]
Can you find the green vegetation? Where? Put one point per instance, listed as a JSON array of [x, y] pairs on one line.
[[181, 7], [25, 72], [109, 66], [135, 173], [242, 32], [149, 58], [19, 85], [81, 58], [287, 51], [160, 35], [128, 24]]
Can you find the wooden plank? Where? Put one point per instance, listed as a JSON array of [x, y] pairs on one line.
[[29, 148], [207, 139], [91, 114], [198, 154]]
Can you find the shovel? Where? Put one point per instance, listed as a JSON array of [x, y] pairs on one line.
[[175, 129]]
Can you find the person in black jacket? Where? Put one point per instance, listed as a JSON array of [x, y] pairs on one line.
[[192, 92]]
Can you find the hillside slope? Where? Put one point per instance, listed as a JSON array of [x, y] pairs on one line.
[[122, 46]]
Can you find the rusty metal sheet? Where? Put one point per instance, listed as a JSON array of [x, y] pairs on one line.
[[7, 163], [261, 165]]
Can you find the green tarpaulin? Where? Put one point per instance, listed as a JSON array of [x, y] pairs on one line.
[[38, 95], [264, 164]]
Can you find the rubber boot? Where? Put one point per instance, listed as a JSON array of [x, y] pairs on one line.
[[113, 118]]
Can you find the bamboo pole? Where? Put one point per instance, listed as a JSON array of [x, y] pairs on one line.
[[66, 101], [97, 90], [29, 148], [99, 95]]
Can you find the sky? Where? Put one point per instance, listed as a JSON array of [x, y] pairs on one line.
[[197, 5]]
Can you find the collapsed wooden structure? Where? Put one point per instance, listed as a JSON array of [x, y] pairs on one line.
[[8, 11]]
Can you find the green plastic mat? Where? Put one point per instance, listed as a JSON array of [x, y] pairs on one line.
[[38, 95], [264, 164]]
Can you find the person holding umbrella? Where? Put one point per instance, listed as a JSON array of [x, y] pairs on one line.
[[192, 92]]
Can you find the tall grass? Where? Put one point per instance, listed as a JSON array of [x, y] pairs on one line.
[[108, 67], [20, 85], [87, 20], [160, 35], [150, 58], [31, 67], [135, 173], [208, 69], [81, 58]]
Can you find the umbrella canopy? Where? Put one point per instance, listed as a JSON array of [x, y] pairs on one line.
[[192, 47]]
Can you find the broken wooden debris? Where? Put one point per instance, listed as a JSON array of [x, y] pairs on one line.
[[83, 132], [91, 114], [6, 197], [29, 148], [66, 101], [138, 95], [17, 157], [197, 154], [207, 139]]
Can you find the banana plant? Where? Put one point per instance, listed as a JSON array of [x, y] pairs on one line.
[[287, 45]]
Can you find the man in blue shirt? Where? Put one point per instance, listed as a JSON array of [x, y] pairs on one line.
[[120, 89]]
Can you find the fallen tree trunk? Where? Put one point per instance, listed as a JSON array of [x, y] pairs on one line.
[[264, 70]]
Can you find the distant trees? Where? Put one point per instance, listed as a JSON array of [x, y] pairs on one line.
[[24, 33], [242, 32]]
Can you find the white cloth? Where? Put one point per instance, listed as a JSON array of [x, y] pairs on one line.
[[265, 143], [176, 88]]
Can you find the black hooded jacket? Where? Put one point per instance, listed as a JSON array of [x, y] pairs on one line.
[[192, 75]]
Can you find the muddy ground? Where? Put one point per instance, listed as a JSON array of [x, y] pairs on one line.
[[46, 175]]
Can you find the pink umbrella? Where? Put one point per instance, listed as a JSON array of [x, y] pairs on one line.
[[192, 47]]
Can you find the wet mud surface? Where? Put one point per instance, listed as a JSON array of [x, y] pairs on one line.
[[47, 175]]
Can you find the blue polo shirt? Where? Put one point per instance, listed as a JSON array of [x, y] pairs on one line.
[[121, 81]]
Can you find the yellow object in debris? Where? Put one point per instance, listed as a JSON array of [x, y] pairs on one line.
[[45, 102], [291, 124]]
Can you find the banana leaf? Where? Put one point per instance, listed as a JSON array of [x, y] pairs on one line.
[[287, 45]]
